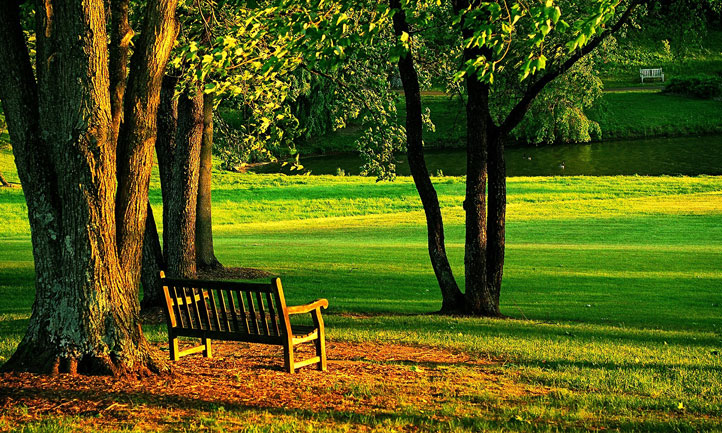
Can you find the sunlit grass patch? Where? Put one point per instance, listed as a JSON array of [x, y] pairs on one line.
[[612, 285]]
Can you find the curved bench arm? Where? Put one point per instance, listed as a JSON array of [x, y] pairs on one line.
[[307, 308]]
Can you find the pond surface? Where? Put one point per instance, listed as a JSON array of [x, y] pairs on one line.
[[672, 156]]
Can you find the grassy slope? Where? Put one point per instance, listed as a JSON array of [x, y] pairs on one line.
[[636, 114], [640, 51], [615, 282]]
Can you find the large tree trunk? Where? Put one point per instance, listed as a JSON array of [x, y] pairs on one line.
[[480, 301], [85, 314], [205, 255], [182, 195], [452, 298]]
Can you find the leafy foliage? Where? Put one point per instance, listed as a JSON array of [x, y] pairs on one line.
[[699, 86], [558, 113]]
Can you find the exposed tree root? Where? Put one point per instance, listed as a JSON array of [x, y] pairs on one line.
[[148, 361]]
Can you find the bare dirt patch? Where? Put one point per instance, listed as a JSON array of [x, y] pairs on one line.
[[363, 378]]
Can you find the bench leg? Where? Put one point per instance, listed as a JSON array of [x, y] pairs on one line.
[[207, 352], [320, 343], [173, 347], [288, 358], [321, 350]]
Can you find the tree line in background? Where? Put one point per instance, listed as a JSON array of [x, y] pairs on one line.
[[88, 100]]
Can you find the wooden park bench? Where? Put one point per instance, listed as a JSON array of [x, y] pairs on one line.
[[651, 73], [249, 312]]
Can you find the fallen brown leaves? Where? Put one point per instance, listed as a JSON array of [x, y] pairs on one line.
[[363, 378]]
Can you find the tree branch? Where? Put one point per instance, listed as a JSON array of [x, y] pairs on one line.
[[517, 113], [19, 96], [120, 35], [138, 131]]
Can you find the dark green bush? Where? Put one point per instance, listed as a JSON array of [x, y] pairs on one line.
[[699, 86]]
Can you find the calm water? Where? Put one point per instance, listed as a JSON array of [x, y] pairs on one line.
[[672, 156]]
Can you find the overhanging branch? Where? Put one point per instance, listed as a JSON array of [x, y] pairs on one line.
[[517, 113]]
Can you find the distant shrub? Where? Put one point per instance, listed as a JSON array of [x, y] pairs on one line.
[[699, 86]]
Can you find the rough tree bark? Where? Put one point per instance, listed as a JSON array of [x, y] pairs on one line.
[[179, 237], [165, 145], [452, 298], [86, 235], [205, 255]]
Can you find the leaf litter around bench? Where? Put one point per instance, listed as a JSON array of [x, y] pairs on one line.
[[367, 383]]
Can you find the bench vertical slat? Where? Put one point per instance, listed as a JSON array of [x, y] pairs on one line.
[[272, 312], [176, 304], [215, 309], [195, 306], [225, 310], [252, 312], [205, 311], [243, 310], [186, 304], [232, 304], [262, 312]]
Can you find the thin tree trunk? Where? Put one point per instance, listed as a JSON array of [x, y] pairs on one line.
[[165, 147], [205, 255], [4, 182], [153, 263], [183, 194], [496, 221], [452, 298], [138, 132], [120, 36], [479, 300]]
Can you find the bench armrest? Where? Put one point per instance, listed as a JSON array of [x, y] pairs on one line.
[[307, 308]]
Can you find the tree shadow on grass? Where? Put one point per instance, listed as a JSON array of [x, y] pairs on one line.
[[579, 333]]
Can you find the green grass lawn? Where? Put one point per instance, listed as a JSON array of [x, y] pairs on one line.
[[634, 114], [613, 286]]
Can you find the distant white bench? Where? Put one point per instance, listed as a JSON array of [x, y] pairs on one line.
[[651, 73]]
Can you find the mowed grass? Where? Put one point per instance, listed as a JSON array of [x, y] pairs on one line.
[[613, 286]]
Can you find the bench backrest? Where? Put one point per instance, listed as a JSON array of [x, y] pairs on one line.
[[652, 73], [254, 309]]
